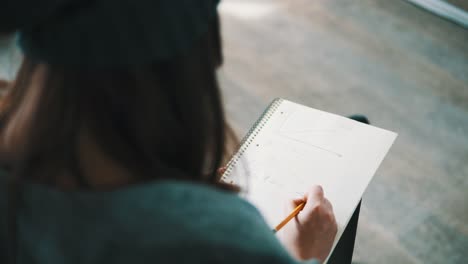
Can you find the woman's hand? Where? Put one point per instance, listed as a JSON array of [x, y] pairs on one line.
[[221, 171], [312, 232]]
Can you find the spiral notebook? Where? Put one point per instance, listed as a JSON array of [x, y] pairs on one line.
[[292, 147]]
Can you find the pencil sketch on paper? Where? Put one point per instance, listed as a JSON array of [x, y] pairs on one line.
[[315, 129]]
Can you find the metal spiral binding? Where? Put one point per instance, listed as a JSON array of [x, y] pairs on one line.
[[249, 138]]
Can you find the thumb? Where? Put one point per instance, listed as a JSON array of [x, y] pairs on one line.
[[313, 197], [292, 204], [221, 171]]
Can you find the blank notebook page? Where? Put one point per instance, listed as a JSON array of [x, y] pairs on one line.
[[292, 147]]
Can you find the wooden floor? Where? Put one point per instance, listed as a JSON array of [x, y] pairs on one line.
[[403, 67], [462, 4]]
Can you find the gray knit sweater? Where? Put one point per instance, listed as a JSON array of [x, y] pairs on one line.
[[159, 222]]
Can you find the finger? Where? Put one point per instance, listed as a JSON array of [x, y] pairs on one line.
[[316, 192], [221, 171], [327, 204], [313, 203], [328, 209], [314, 197], [292, 204]]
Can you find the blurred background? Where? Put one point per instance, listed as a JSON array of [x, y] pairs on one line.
[[402, 65], [405, 68]]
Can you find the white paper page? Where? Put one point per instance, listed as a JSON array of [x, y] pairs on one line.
[[299, 147]]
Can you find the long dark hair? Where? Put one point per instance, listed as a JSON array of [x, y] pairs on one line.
[[162, 120]]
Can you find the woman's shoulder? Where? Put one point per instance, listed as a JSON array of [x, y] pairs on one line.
[[214, 225], [204, 223], [164, 220]]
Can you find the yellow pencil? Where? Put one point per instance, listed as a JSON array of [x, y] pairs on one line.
[[290, 216]]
